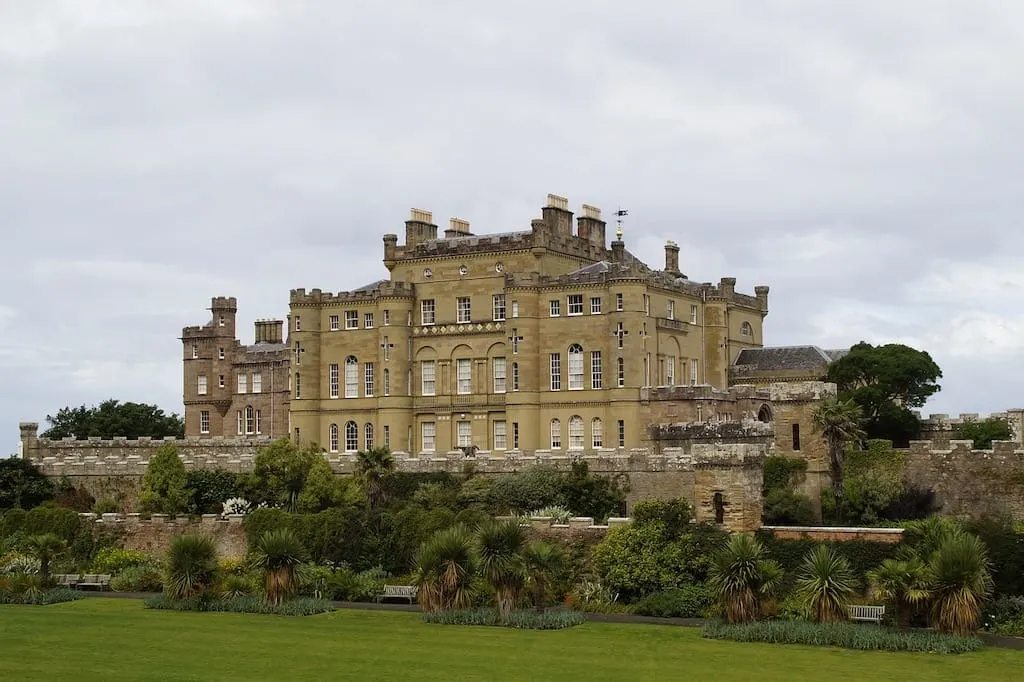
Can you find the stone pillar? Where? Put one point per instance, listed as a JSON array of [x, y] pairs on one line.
[[672, 258], [1015, 418], [29, 445]]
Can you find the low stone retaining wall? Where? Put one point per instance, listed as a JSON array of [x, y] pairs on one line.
[[154, 535], [837, 534]]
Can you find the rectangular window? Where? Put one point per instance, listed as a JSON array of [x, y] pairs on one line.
[[351, 319], [647, 304], [333, 379], [575, 368], [515, 308], [515, 435], [463, 312], [500, 436], [597, 433], [694, 372], [298, 353], [387, 383], [298, 323], [596, 379], [334, 323], [621, 371], [556, 434], [498, 307], [332, 438], [498, 371], [595, 305], [241, 423], [259, 421], [515, 376], [796, 436], [575, 304], [351, 377], [670, 311], [693, 314], [618, 302], [575, 433], [351, 437], [622, 433], [204, 421], [220, 320], [555, 308], [428, 436], [515, 341], [368, 320], [427, 311], [368, 379], [556, 372], [368, 437], [220, 353], [220, 381], [195, 351], [298, 386], [464, 432], [387, 436], [387, 349], [250, 420], [620, 333], [243, 383], [670, 370], [257, 382], [463, 375], [428, 377], [201, 385], [387, 318]]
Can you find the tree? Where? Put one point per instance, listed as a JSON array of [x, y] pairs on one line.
[[742, 578], [280, 471], [22, 484], [887, 382], [901, 583], [45, 547], [962, 580], [114, 418], [587, 494], [838, 421], [279, 554], [499, 556], [825, 584], [543, 561], [165, 485], [984, 432], [444, 570], [373, 469]]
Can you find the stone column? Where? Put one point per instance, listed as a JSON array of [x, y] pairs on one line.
[[29, 440]]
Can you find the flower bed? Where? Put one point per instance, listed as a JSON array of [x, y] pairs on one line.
[[301, 606], [845, 635], [523, 620]]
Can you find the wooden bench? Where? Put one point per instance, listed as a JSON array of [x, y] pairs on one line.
[[66, 579], [866, 613], [399, 592], [93, 580]]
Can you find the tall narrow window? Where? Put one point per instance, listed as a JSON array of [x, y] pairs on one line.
[[596, 376], [332, 379], [387, 436], [556, 371], [257, 382], [464, 377], [259, 421], [298, 323], [351, 377], [243, 383], [298, 386], [368, 436], [500, 436], [499, 372], [220, 353], [670, 311], [427, 311], [796, 436], [298, 353], [387, 382], [622, 433], [368, 320], [464, 434], [195, 351], [387, 349], [428, 436], [332, 437], [498, 307], [576, 432], [515, 341], [670, 370], [694, 372], [620, 334], [595, 305], [597, 432], [204, 421], [351, 437], [515, 309], [250, 420], [647, 304], [463, 312], [515, 376], [693, 314], [515, 435], [201, 384], [241, 422], [618, 302], [333, 322], [556, 434], [220, 381], [387, 317], [575, 367], [368, 379], [554, 308], [428, 377]]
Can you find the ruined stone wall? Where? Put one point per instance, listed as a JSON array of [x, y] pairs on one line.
[[154, 536], [967, 482], [940, 429]]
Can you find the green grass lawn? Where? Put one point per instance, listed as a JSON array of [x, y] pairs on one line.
[[116, 639]]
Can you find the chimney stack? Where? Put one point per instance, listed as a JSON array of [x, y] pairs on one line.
[[589, 225], [457, 227], [269, 331], [672, 258], [761, 292], [419, 227], [558, 216], [727, 286]]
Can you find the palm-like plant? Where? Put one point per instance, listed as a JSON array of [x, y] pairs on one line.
[[373, 468], [838, 421], [444, 570], [543, 561], [279, 554], [961, 582], [191, 566], [499, 556], [741, 578], [825, 583], [45, 547], [901, 583]]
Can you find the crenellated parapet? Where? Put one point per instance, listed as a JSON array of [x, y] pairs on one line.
[[300, 298]]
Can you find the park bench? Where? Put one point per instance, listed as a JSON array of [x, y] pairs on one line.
[[866, 613], [399, 592], [93, 580], [66, 579]]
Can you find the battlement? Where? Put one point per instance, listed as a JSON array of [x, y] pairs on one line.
[[384, 290], [801, 391], [942, 420], [704, 392]]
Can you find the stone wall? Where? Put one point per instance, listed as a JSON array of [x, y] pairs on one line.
[[154, 535], [827, 534], [967, 482], [940, 429]]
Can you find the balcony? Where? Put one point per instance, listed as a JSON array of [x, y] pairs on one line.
[[674, 325], [445, 403]]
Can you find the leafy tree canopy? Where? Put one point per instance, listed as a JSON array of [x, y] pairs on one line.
[[279, 473], [887, 382], [22, 484], [984, 432], [165, 485], [114, 418]]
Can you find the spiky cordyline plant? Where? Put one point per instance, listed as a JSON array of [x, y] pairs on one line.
[[902, 583], [825, 584], [279, 554], [543, 561], [444, 569], [741, 578], [191, 566], [499, 556], [961, 583]]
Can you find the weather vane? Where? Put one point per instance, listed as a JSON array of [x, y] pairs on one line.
[[618, 220]]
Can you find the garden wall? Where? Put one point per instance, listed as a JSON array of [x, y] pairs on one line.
[[154, 535], [837, 534]]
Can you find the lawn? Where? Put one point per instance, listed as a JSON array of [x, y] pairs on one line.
[[116, 639]]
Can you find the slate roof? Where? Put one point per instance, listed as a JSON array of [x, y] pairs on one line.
[[265, 347], [785, 358], [629, 261], [372, 286]]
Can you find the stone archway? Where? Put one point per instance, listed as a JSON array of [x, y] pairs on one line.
[[764, 414]]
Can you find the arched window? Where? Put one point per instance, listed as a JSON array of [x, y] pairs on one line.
[[575, 367], [620, 369], [597, 432], [746, 329], [368, 436], [351, 437], [250, 419], [576, 432], [351, 377], [333, 438], [764, 414], [556, 434]]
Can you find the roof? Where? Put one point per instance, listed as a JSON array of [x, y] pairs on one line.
[[784, 358], [372, 286], [265, 347], [836, 353], [629, 261]]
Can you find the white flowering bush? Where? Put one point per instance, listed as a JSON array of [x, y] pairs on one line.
[[235, 505], [558, 514], [16, 562]]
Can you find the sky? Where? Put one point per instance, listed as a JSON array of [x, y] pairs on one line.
[[863, 159]]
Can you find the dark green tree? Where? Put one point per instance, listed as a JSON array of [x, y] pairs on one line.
[[887, 382], [165, 485], [984, 432], [279, 473], [114, 418], [22, 484]]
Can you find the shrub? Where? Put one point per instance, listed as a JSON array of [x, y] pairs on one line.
[[523, 620], [22, 484], [444, 569], [673, 517], [278, 553], [555, 513], [689, 601], [518, 493], [1005, 616], [234, 506], [787, 508], [40, 598], [846, 635], [742, 578], [960, 583], [234, 585], [231, 565], [301, 606], [825, 584], [191, 565], [114, 560], [594, 495], [207, 489], [164, 486], [344, 584], [16, 562], [137, 579], [105, 505]]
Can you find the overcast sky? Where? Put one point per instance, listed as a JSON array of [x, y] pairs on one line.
[[863, 159]]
